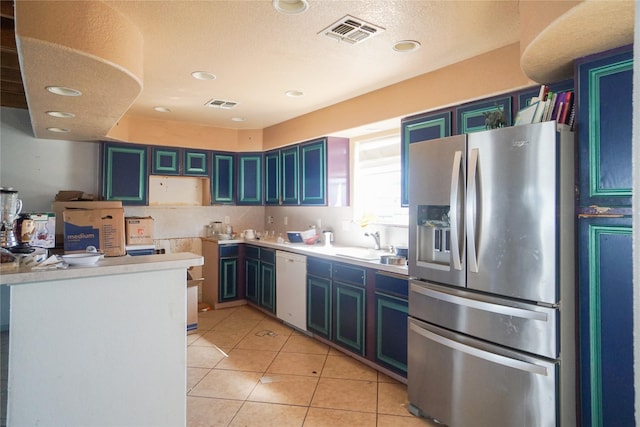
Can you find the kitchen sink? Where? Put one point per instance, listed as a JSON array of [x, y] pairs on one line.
[[359, 253]]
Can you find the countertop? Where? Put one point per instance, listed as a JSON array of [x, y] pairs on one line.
[[326, 252], [105, 267]]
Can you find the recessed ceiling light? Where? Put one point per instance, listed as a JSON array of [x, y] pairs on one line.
[[406, 46], [290, 6], [238, 119], [60, 114], [162, 109], [203, 75], [64, 91], [61, 130], [294, 93]]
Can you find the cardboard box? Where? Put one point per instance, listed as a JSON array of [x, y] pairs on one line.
[[102, 228], [58, 208], [44, 235], [139, 230]]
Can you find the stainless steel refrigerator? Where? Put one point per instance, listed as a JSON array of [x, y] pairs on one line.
[[492, 292]]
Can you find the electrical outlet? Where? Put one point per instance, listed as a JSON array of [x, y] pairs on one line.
[[227, 219], [286, 220], [269, 219]]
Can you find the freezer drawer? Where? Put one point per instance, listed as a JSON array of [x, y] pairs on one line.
[[461, 381], [522, 326]]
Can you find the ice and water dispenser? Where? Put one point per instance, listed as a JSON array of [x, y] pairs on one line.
[[434, 234]]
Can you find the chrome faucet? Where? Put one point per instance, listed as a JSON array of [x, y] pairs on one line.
[[376, 237]]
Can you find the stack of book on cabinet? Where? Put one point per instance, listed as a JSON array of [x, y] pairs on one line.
[[549, 106]]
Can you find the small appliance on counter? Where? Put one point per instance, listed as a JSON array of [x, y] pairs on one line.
[[23, 229], [10, 208]]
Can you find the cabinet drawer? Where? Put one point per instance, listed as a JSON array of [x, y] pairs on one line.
[[228, 251], [268, 255], [349, 274], [393, 285], [252, 252], [319, 267]]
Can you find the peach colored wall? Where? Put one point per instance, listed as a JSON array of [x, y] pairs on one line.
[[180, 134], [494, 72]]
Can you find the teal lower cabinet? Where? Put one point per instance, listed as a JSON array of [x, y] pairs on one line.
[[349, 317], [336, 302], [260, 277], [392, 310], [228, 279], [606, 321]]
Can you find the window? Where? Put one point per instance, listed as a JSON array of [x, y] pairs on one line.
[[377, 182]]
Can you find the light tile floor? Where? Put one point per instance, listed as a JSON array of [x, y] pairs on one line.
[[247, 369]]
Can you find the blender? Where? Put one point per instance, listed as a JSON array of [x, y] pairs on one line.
[[10, 207]]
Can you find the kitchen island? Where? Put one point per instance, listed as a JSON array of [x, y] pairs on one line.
[[99, 345]]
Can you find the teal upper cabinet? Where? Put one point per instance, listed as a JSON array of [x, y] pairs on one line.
[[124, 173], [272, 177], [471, 117], [249, 179], [604, 123], [289, 172], [196, 162], [420, 128], [165, 161], [223, 178], [313, 172]]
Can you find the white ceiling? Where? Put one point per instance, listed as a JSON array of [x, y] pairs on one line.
[[257, 54]]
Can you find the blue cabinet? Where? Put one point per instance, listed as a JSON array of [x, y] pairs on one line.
[[471, 117], [195, 162], [165, 161], [272, 177], [605, 263], [392, 308], [420, 128], [223, 178], [606, 321], [249, 179], [228, 276], [260, 276], [290, 175], [313, 172], [124, 173], [604, 128]]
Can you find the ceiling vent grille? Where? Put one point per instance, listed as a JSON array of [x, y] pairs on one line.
[[220, 103], [351, 30]]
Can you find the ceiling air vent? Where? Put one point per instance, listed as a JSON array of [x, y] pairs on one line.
[[220, 103], [351, 30]]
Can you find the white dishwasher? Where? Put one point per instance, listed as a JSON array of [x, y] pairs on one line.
[[291, 289]]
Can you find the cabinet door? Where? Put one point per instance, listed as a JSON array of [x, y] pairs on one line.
[[471, 117], [196, 163], [252, 277], [319, 306], [313, 172], [391, 332], [250, 179], [289, 164], [228, 279], [223, 182], [605, 128], [606, 321], [416, 129], [268, 286], [125, 173], [272, 177], [349, 316], [165, 161]]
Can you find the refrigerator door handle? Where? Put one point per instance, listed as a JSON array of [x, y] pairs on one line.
[[471, 213], [482, 354], [454, 216], [481, 305]]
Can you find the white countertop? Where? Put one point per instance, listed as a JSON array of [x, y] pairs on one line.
[[105, 267], [326, 252]]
